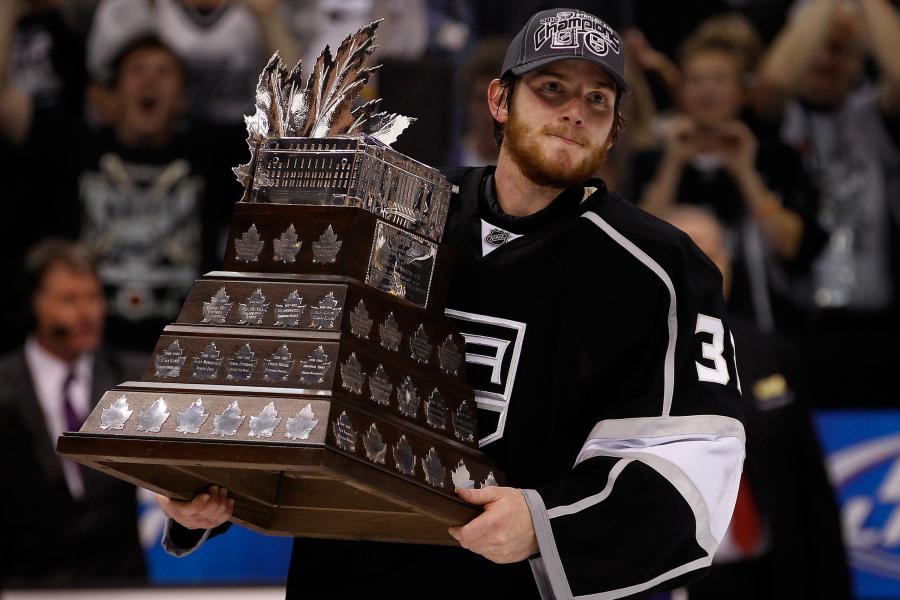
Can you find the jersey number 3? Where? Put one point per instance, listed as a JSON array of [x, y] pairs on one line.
[[712, 352]]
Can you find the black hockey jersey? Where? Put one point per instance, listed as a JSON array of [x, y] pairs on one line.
[[604, 369], [602, 359]]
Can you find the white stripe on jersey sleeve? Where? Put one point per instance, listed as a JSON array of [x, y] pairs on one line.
[[701, 456], [643, 257], [174, 550]]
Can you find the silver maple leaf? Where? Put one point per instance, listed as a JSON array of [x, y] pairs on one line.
[[461, 477], [301, 425], [190, 420], [152, 419], [228, 422], [115, 416], [264, 424]]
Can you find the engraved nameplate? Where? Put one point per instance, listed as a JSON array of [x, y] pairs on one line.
[[279, 365], [242, 365], [419, 346], [326, 312], [380, 387], [288, 313], [206, 364], [434, 470], [287, 246], [389, 333], [449, 356], [248, 246], [326, 248], [374, 445], [360, 323], [254, 309], [352, 377], [169, 363], [344, 434], [401, 264], [314, 368], [436, 411], [404, 459], [464, 422], [217, 308], [408, 398]]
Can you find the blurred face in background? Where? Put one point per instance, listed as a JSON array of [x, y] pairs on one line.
[[70, 309], [707, 233], [837, 65], [711, 90], [149, 95]]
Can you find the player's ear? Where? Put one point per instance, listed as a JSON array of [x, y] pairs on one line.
[[496, 96]]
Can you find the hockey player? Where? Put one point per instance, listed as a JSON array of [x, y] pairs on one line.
[[596, 339]]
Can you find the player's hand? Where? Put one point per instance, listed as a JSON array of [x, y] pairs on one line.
[[503, 533], [207, 510]]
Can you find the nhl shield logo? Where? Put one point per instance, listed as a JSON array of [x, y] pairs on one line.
[[493, 349], [496, 237]]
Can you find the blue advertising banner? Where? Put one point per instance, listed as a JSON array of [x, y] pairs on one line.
[[863, 455]]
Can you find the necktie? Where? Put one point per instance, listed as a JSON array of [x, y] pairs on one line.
[[73, 418], [746, 524]]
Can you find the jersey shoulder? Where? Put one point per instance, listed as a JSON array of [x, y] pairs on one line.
[[608, 219]]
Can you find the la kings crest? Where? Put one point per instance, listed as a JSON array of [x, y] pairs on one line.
[[493, 350]]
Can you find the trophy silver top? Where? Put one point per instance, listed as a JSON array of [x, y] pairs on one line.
[[309, 145]]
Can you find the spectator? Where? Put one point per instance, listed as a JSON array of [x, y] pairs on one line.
[[150, 199], [63, 525], [223, 43], [784, 541], [477, 146], [713, 158], [848, 131], [48, 56]]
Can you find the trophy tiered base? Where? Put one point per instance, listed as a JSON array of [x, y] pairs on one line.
[[298, 488], [325, 406]]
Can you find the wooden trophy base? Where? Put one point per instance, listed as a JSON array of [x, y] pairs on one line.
[[306, 487]]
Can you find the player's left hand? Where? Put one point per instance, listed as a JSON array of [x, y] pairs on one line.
[[503, 533]]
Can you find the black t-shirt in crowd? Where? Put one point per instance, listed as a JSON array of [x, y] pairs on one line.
[[756, 269], [156, 217]]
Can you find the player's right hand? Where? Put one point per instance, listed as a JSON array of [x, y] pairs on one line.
[[207, 510]]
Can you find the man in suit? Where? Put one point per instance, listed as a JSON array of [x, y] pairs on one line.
[[62, 525]]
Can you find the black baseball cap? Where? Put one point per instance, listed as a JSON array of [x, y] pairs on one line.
[[562, 33]]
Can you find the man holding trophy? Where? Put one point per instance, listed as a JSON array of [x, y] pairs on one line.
[[597, 343]]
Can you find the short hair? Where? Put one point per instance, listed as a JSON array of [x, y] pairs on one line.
[[731, 34], [508, 84], [149, 41], [52, 252]]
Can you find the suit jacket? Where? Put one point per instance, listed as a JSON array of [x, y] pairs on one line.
[[50, 538]]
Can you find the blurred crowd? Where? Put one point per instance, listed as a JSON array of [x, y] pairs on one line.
[[776, 121]]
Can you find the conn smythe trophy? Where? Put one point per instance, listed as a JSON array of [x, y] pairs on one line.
[[315, 376]]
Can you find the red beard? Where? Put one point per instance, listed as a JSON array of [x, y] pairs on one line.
[[549, 171]]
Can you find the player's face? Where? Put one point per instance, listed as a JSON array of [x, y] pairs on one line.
[[70, 309], [558, 130], [711, 89], [150, 92]]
